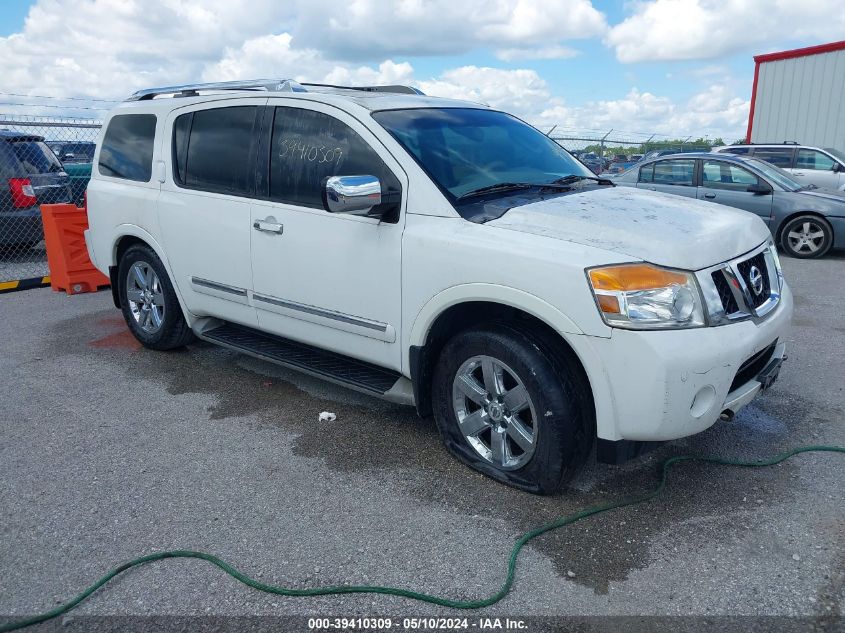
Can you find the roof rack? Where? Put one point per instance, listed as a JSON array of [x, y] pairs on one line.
[[191, 90], [268, 85], [407, 90], [771, 143]]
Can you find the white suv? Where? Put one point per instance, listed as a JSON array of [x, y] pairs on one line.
[[440, 254], [822, 167]]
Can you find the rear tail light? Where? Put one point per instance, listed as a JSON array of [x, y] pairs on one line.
[[23, 195]]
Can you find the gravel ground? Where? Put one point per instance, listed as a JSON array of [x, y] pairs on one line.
[[23, 262], [109, 451]]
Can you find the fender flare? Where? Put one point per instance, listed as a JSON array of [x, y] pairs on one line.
[[132, 230]]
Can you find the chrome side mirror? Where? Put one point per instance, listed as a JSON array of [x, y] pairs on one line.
[[351, 194]]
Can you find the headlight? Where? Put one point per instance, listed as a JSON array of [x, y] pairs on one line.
[[773, 251], [646, 297]]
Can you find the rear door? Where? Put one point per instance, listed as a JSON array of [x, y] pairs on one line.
[[676, 176], [204, 206], [783, 157], [727, 183]]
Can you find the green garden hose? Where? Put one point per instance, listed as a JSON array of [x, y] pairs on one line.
[[408, 593]]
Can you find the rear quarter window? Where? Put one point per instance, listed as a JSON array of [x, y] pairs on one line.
[[127, 150]]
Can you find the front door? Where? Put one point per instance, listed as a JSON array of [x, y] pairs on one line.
[[204, 206], [332, 280], [727, 183], [813, 167]]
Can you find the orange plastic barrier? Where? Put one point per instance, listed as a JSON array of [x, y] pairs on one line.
[[67, 256]]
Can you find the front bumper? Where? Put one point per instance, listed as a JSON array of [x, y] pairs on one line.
[[670, 384]]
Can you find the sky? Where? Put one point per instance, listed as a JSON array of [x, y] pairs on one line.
[[672, 68]]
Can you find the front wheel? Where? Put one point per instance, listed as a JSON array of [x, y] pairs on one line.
[[511, 410], [148, 301], [807, 236]]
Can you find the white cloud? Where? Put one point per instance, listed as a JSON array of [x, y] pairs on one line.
[[362, 29], [108, 48], [702, 29], [553, 51], [712, 112], [273, 56], [519, 91]]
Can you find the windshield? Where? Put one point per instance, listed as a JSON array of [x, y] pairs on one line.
[[836, 153], [467, 149], [781, 178]]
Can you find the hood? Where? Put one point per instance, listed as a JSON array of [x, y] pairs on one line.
[[654, 227]]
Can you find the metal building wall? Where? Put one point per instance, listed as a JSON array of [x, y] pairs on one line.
[[801, 99]]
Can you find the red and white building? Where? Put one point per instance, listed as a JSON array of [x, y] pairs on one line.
[[799, 95]]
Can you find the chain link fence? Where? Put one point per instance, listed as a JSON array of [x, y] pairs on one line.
[[42, 160]]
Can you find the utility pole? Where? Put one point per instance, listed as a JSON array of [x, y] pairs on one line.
[[603, 138]]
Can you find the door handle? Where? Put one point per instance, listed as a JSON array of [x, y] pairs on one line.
[[266, 226], [709, 195]]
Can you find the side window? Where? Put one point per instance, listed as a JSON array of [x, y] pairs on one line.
[[674, 172], [720, 175], [127, 150], [214, 149], [811, 159], [778, 157], [736, 150], [308, 146], [647, 173]]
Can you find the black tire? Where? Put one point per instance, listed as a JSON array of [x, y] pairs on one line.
[[173, 331], [797, 224], [564, 426]]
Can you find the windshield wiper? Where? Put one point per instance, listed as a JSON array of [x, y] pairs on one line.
[[499, 186], [568, 180]]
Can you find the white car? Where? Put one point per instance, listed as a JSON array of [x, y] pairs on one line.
[[823, 167], [440, 254]]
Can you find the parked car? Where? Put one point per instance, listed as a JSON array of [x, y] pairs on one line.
[[804, 222], [76, 156], [436, 253], [593, 162], [822, 167], [620, 163], [32, 175]]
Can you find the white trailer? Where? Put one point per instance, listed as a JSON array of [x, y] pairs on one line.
[[799, 96]]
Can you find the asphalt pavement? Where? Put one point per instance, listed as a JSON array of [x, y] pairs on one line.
[[109, 451]]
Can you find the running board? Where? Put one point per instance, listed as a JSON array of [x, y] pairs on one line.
[[343, 370]]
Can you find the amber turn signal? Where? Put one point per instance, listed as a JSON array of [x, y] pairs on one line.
[[628, 277]]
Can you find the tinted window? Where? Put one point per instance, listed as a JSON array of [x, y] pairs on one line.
[[811, 159], [721, 175], [127, 150], [464, 149], [736, 150], [220, 149], [309, 146], [647, 173], [674, 172], [35, 157], [777, 157]]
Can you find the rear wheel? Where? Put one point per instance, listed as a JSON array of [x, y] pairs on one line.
[[148, 301], [511, 410], [807, 236]]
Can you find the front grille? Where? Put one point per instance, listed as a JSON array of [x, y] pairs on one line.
[[753, 366], [758, 261], [725, 295]]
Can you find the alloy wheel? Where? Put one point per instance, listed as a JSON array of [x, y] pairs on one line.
[[145, 296], [495, 412]]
